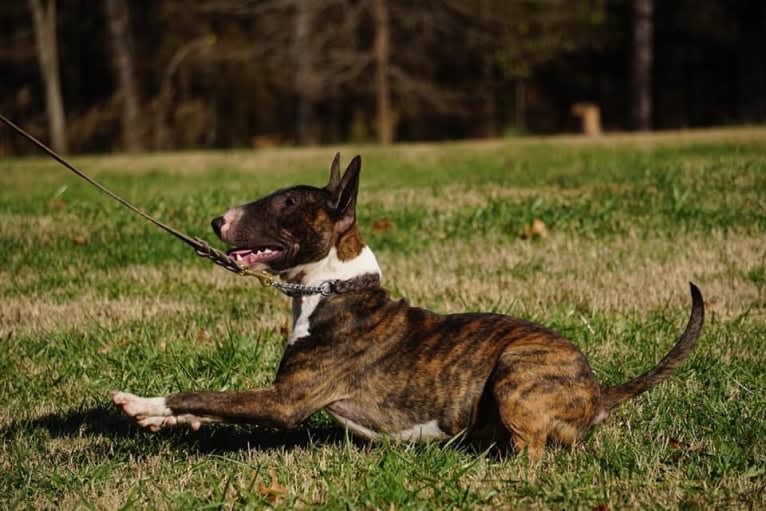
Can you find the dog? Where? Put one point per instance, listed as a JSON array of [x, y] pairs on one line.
[[383, 368]]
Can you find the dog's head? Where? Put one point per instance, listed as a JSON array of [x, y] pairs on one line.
[[295, 226]]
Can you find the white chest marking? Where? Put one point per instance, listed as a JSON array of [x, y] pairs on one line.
[[329, 268], [302, 309]]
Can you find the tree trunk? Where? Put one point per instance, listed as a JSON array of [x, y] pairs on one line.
[[382, 89], [642, 64], [751, 35], [303, 52], [489, 105], [44, 17], [520, 106], [118, 18]]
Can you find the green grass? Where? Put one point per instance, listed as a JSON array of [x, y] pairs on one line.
[[92, 299]]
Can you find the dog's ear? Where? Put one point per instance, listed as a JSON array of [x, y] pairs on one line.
[[345, 200], [332, 186]]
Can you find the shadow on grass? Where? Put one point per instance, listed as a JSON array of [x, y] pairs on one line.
[[105, 421]]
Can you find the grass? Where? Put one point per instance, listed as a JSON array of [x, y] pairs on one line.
[[93, 299]]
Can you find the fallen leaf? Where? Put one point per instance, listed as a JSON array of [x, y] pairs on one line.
[[202, 336], [273, 492], [679, 445], [382, 225], [57, 203], [536, 229], [80, 239]]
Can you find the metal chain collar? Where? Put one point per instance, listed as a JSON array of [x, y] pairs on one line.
[[326, 288]]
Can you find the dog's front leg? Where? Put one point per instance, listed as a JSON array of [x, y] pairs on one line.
[[270, 407]]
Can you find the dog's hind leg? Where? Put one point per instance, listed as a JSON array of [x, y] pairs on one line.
[[545, 391], [528, 427]]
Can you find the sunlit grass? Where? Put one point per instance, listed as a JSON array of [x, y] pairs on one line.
[[92, 299]]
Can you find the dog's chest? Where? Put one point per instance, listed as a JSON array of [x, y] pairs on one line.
[[303, 307]]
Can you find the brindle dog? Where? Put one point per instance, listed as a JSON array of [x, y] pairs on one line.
[[384, 368]]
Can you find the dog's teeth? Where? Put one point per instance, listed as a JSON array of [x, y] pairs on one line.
[[238, 257]]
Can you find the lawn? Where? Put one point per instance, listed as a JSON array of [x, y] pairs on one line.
[[92, 298]]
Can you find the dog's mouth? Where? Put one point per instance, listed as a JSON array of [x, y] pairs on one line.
[[250, 257]]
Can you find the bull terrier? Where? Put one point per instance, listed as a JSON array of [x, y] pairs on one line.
[[384, 368]]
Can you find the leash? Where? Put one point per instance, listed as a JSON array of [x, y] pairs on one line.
[[201, 247]]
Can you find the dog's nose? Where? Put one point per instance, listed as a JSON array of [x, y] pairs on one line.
[[217, 223]]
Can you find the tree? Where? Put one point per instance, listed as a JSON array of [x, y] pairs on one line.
[[527, 36], [118, 18], [122, 56], [44, 18], [642, 64], [221, 73], [382, 89], [305, 75]]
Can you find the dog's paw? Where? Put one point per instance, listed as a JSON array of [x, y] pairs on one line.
[[138, 407], [152, 412], [157, 423]]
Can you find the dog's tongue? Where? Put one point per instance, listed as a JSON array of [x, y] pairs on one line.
[[247, 257]]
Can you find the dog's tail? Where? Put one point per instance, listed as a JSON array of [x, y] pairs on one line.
[[613, 396]]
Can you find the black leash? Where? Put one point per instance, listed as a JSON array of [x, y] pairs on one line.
[[200, 246]]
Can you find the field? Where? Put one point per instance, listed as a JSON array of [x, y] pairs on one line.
[[93, 298]]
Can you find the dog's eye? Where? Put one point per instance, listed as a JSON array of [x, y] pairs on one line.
[[289, 201]]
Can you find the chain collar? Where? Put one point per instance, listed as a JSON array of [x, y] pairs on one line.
[[328, 287]]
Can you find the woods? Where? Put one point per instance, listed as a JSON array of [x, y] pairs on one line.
[[135, 75], [44, 20], [127, 89]]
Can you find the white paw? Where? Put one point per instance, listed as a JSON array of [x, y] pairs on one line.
[[135, 406], [152, 412], [157, 423]]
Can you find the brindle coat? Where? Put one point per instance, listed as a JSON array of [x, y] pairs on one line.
[[383, 367]]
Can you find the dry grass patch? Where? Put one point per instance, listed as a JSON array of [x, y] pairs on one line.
[[423, 154], [40, 229], [36, 315], [273, 307], [199, 162], [453, 197], [622, 275]]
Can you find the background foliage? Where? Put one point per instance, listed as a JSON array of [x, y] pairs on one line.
[[234, 73]]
